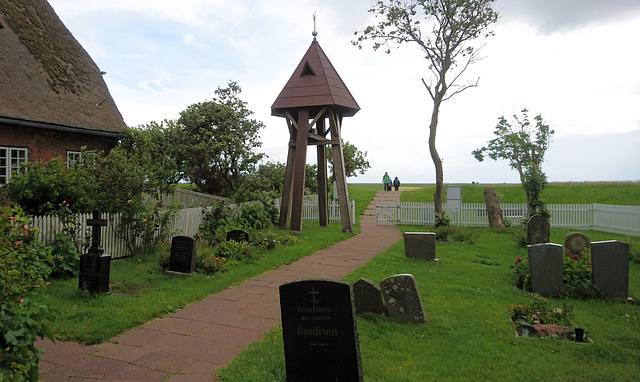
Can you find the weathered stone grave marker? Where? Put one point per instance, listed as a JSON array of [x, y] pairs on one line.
[[368, 297], [538, 230], [238, 235], [402, 299], [545, 267], [95, 266], [319, 331], [420, 245], [183, 254], [610, 265]]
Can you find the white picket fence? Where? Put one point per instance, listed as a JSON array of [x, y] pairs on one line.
[[187, 223], [600, 217]]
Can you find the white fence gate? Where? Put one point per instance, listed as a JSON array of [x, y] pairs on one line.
[[600, 217]]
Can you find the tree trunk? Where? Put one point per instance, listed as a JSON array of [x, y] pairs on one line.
[[437, 196], [494, 212]]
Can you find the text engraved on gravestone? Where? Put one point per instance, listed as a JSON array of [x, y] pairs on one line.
[[183, 254], [319, 331]]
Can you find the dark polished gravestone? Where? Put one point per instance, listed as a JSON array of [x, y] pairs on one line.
[[319, 331], [402, 299], [368, 297], [420, 245], [183, 255], [238, 235], [610, 267], [95, 265], [545, 267], [538, 230]]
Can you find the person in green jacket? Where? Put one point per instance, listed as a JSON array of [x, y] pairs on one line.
[[386, 179]]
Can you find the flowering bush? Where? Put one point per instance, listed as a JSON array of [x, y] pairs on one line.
[[523, 277], [442, 220], [208, 263], [24, 266]]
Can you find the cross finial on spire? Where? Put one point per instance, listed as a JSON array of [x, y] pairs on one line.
[[315, 33]]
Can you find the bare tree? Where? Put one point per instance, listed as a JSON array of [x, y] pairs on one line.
[[445, 30]]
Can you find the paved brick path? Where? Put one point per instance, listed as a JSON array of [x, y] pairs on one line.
[[191, 343]]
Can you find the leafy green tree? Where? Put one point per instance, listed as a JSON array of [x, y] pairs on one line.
[[444, 30], [217, 141], [523, 145], [355, 161], [152, 147]]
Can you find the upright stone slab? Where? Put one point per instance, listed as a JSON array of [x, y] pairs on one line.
[[95, 266], [538, 230], [238, 235], [610, 264], [402, 299], [319, 331], [183, 254], [368, 297], [545, 266], [420, 245]]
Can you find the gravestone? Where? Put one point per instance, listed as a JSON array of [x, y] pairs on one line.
[[575, 243], [610, 268], [95, 265], [545, 267], [238, 236], [319, 331], [420, 245], [183, 255], [538, 230], [368, 297], [402, 299]]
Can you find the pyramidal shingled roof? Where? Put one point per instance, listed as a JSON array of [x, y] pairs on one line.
[[315, 82], [45, 74]]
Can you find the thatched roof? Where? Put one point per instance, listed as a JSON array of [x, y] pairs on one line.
[[46, 76], [315, 82]]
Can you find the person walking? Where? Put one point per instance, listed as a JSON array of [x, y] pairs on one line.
[[386, 179], [396, 183]]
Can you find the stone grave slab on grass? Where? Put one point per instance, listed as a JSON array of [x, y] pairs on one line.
[[402, 299], [538, 230], [183, 255], [545, 267], [420, 245], [368, 297], [610, 267], [319, 331]]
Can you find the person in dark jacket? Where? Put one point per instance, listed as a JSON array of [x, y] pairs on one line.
[[396, 183]]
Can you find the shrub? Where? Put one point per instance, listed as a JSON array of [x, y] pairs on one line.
[[540, 311], [24, 265], [442, 220], [453, 234], [523, 277], [215, 222], [258, 215]]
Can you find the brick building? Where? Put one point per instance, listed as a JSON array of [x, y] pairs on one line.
[[53, 99]]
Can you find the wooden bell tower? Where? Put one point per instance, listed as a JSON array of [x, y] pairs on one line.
[[313, 101]]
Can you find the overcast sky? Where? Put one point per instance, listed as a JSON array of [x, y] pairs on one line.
[[575, 62]]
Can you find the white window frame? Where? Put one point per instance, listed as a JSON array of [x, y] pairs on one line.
[[11, 161], [73, 157]]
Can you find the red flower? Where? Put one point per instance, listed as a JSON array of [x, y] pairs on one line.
[[575, 256], [519, 260]]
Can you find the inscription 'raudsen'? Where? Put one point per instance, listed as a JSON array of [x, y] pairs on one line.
[[317, 331]]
